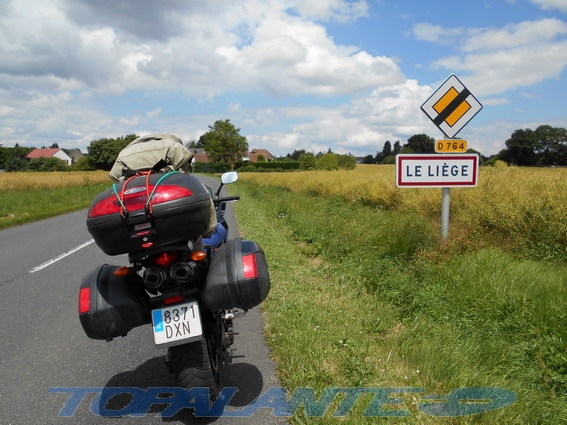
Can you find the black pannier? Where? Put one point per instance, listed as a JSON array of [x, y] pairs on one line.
[[109, 306], [123, 221], [238, 276]]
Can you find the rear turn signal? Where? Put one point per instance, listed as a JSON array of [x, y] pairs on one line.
[[84, 300], [122, 271], [198, 256]]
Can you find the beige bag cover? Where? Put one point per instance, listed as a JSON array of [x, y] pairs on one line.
[[145, 152]]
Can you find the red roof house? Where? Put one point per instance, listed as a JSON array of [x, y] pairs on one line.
[[49, 153]]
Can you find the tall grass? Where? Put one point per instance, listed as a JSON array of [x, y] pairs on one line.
[[524, 210]]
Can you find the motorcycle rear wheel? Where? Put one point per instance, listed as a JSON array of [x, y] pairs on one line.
[[197, 365]]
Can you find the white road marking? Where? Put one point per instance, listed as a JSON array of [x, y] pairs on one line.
[[59, 257]]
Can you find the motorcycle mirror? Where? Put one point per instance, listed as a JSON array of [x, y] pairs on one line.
[[229, 177]]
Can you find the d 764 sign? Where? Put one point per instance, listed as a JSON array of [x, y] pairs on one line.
[[451, 146]]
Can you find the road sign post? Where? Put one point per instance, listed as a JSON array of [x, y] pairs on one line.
[[450, 108]]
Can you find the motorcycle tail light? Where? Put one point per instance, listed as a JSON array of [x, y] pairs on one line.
[[136, 198], [164, 259], [250, 266], [84, 300]]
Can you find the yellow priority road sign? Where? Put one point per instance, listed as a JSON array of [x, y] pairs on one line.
[[451, 146], [451, 106]]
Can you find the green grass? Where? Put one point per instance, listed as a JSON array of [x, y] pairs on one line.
[[363, 297], [29, 205]]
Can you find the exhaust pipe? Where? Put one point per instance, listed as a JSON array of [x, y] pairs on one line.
[[183, 272], [154, 277]]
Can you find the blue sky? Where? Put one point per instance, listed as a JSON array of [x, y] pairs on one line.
[[291, 74]]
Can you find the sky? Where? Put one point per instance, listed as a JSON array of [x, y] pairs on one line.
[[345, 75]]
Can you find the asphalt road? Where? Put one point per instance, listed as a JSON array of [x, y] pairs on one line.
[[43, 349]]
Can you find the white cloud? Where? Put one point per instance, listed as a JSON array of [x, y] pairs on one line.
[[436, 33], [514, 35], [326, 10], [153, 113], [551, 4], [494, 102], [516, 55], [387, 113], [255, 46]]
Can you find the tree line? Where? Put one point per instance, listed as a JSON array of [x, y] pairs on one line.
[[544, 146], [225, 146], [14, 159]]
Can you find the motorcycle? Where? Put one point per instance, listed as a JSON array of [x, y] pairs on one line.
[[185, 286]]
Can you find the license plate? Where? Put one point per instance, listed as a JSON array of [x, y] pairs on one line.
[[178, 324]]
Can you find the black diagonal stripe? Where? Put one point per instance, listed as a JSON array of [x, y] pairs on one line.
[[451, 107]]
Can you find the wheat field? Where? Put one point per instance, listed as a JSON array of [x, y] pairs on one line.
[[509, 204]]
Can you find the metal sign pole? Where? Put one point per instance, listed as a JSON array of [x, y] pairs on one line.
[[445, 202]]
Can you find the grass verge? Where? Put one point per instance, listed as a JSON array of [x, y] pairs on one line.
[[28, 197]]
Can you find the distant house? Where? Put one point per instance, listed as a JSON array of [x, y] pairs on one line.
[[253, 155], [199, 155], [49, 153], [75, 154]]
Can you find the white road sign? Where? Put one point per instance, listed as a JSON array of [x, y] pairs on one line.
[[443, 170]]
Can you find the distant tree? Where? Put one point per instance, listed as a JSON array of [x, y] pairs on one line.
[[83, 164], [4, 153], [202, 142], [552, 144], [15, 163], [347, 162], [223, 142], [368, 159], [482, 158], [296, 154], [389, 160], [397, 148], [20, 151], [421, 143], [522, 148], [261, 158], [48, 164], [54, 146], [329, 161], [387, 149], [379, 158], [103, 152], [307, 161]]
